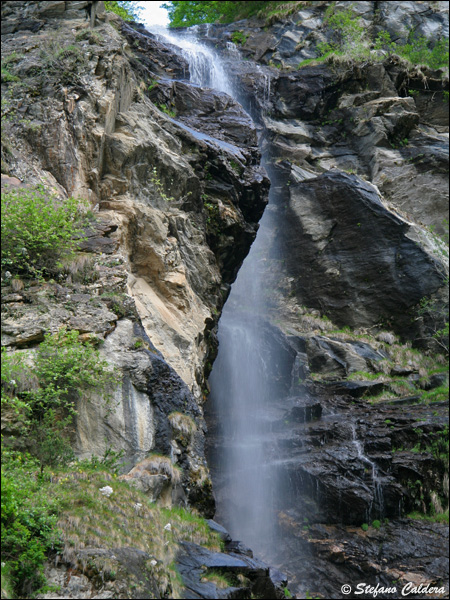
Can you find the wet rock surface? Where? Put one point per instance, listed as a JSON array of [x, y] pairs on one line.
[[326, 124], [247, 576], [343, 458], [359, 164]]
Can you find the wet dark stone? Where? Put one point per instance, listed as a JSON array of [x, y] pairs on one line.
[[355, 389], [303, 413], [223, 533], [195, 561], [368, 268], [238, 547]]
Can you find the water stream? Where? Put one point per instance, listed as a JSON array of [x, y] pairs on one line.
[[377, 507], [240, 386]]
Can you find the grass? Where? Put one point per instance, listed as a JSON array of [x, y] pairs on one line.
[[7, 585], [400, 356], [438, 518], [125, 519], [85, 518], [439, 394], [218, 579], [183, 424]]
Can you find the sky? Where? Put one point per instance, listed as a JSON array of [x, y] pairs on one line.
[[153, 14]]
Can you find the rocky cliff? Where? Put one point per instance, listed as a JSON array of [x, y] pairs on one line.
[[173, 213], [357, 158], [351, 147]]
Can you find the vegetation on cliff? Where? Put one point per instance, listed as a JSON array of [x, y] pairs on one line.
[[185, 14], [63, 512], [39, 231], [349, 41], [54, 507], [128, 11]]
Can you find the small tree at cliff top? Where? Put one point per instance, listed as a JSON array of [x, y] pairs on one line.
[[129, 11], [187, 13]]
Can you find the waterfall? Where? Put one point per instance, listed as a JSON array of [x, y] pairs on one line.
[[205, 67], [239, 382]]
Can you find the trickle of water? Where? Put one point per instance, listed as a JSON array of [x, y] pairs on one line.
[[378, 499], [233, 51], [267, 84]]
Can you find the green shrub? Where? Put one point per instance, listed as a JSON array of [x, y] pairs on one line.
[[168, 111], [185, 14], [350, 41], [65, 370], [7, 582], [349, 36], [364, 527], [7, 76], [28, 523], [38, 230], [418, 52], [376, 524], [66, 363], [239, 38]]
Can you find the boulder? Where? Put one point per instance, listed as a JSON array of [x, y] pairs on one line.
[[360, 262]]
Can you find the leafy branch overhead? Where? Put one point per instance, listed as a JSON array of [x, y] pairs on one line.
[[185, 14]]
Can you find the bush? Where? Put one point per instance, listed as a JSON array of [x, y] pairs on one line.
[[239, 38], [376, 524], [185, 14], [38, 230], [350, 41], [65, 370], [28, 523], [417, 51], [349, 36]]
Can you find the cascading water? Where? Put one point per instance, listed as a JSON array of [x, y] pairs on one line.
[[205, 67], [240, 386]]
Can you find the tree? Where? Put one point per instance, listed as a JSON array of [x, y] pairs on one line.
[[185, 13], [129, 11]]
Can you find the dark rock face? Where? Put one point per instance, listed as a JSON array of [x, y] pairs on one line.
[[340, 459], [390, 557], [195, 563], [359, 264]]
